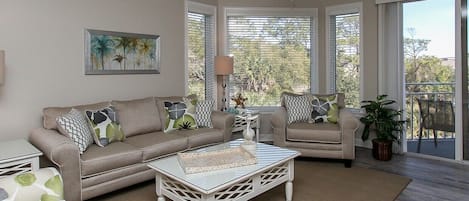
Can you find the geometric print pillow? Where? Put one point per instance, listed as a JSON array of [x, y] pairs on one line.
[[75, 126], [298, 108], [325, 109], [179, 116], [203, 113], [43, 184], [105, 126]]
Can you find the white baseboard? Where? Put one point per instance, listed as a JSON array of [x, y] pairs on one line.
[[359, 143]]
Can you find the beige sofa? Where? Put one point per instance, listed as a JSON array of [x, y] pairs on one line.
[[321, 140], [100, 170]]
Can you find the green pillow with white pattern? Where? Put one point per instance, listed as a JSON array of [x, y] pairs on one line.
[[43, 185]]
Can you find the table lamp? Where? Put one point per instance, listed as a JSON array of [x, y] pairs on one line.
[[223, 67]]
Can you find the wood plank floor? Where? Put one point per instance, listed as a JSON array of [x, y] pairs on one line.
[[431, 179]]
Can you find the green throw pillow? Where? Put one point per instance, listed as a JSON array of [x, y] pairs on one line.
[[180, 115], [44, 184], [105, 126], [325, 109]]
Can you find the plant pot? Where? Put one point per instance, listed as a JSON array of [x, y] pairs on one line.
[[382, 149]]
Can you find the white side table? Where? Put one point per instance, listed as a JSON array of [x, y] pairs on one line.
[[240, 122], [18, 156]]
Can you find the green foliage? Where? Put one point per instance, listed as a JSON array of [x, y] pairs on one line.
[[260, 75], [347, 62], [425, 75], [383, 117]]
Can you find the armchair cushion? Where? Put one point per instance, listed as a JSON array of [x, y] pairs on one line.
[[318, 133]]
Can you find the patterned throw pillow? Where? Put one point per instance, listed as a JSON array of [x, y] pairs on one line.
[[298, 108], [105, 126], [180, 115], [325, 109], [43, 184], [75, 126], [203, 113]]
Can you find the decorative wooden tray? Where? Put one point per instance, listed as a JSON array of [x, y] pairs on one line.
[[196, 162]]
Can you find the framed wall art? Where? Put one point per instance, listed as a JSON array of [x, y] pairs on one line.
[[108, 52]]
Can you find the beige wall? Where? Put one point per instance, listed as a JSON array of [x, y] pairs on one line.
[[44, 42]]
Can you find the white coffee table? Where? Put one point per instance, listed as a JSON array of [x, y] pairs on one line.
[[274, 166]]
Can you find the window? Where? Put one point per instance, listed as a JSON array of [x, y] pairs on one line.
[[273, 52], [201, 50], [344, 44]]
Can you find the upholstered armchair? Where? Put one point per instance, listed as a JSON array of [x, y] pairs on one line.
[[321, 140]]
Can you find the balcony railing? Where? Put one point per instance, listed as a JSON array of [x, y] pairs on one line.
[[427, 90]]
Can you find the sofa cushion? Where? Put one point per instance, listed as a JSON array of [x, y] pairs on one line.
[[138, 116], [318, 132], [201, 136], [50, 114], [105, 126], [75, 126], [115, 155], [158, 144]]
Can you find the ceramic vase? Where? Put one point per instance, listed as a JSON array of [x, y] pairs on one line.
[[248, 133]]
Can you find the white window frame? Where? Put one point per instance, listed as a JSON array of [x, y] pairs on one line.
[[206, 10], [330, 68], [279, 12]]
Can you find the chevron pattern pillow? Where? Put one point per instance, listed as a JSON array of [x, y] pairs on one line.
[[75, 126], [298, 108], [203, 113]]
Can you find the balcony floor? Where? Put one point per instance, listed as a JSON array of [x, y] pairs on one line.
[[445, 147]]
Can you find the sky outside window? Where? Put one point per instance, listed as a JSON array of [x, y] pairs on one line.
[[433, 20]]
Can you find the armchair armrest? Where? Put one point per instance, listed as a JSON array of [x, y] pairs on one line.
[[223, 121], [61, 151], [348, 124], [279, 124]]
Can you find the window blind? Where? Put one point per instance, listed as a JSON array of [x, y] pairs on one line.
[[345, 57], [271, 54], [201, 53]]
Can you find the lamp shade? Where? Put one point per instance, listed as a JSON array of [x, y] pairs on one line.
[[223, 65], [2, 67]]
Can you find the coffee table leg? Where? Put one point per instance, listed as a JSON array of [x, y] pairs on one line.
[[289, 184], [288, 190], [158, 187]]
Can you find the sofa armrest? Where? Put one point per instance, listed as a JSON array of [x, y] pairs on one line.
[[279, 124], [223, 121], [61, 151], [348, 124]]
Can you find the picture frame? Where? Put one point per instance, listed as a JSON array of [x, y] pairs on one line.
[[109, 52]]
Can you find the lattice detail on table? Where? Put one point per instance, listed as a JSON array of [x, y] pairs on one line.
[[236, 191], [274, 174], [240, 123], [181, 190], [15, 168]]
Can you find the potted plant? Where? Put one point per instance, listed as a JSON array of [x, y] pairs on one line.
[[385, 120]]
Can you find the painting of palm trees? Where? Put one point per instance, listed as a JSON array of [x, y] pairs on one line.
[[108, 52]]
